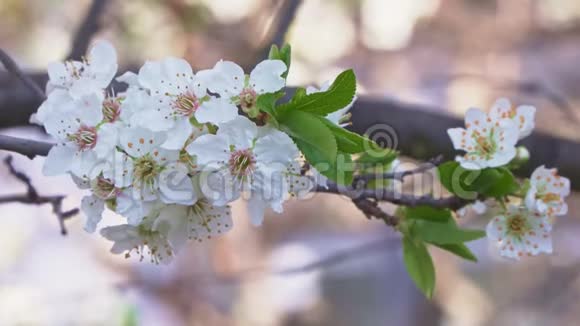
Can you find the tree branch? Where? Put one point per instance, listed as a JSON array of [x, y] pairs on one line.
[[371, 209], [451, 202], [33, 198], [13, 68], [89, 26], [279, 27], [27, 147], [400, 175]]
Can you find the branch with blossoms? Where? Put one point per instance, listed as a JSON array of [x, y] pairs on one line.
[[170, 153]]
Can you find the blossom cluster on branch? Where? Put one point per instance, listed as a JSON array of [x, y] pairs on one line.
[[523, 225], [172, 151]]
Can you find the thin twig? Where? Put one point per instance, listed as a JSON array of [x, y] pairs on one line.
[[33, 198], [89, 26], [451, 202], [13, 68], [371, 209]]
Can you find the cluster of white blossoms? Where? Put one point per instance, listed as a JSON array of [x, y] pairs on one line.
[[172, 151], [169, 153], [523, 226]]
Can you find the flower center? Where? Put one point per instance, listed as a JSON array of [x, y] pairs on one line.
[[485, 146], [85, 137], [248, 98], [185, 104], [549, 197], [517, 225], [145, 170], [104, 188], [74, 71], [242, 163], [111, 109]]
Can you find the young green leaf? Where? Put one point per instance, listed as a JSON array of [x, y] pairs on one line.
[[459, 249], [347, 141], [492, 182], [374, 156], [505, 183], [267, 104], [284, 54], [339, 95], [314, 137], [419, 265], [274, 53], [340, 171], [428, 213], [443, 233]]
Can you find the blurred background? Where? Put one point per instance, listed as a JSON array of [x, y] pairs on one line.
[[432, 54]]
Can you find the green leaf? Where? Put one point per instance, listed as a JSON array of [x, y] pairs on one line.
[[504, 184], [284, 54], [378, 156], [267, 104], [311, 136], [274, 53], [428, 213], [459, 249], [339, 95], [443, 233], [419, 265], [492, 182], [348, 142], [340, 171]]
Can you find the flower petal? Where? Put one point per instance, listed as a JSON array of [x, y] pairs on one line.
[[139, 141], [178, 135], [212, 150], [265, 78], [93, 208], [107, 139], [226, 79], [460, 139], [58, 161], [216, 111], [239, 132], [275, 147], [175, 185], [525, 120]]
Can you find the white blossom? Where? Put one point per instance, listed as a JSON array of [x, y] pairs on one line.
[[83, 141], [235, 88], [142, 239], [240, 159], [523, 116], [519, 232], [154, 172], [547, 192], [200, 221], [177, 96], [91, 75], [487, 142]]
